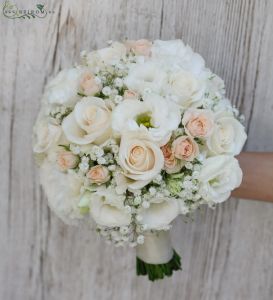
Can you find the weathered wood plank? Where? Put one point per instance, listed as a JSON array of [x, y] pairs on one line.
[[227, 253]]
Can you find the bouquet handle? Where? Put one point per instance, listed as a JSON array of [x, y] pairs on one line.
[[156, 258]]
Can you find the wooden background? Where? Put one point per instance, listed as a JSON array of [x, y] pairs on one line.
[[227, 253]]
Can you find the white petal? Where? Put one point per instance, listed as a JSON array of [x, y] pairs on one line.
[[74, 133], [108, 215], [78, 132], [159, 215], [63, 192]]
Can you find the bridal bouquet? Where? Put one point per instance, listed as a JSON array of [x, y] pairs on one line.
[[136, 134]]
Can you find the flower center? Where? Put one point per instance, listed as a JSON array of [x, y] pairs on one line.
[[145, 120], [90, 115], [88, 77], [187, 148], [199, 125], [136, 155]]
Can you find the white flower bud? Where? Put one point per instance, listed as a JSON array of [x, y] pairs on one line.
[[75, 149], [158, 177], [133, 244], [128, 208], [118, 82], [84, 167], [106, 91], [114, 92], [195, 174], [97, 80], [145, 204], [115, 149], [98, 151], [123, 230], [139, 218], [140, 239], [101, 160], [85, 159], [188, 165], [143, 227], [118, 99], [187, 184], [112, 168], [152, 191]]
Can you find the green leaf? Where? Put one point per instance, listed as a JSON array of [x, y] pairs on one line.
[[199, 141], [100, 95], [83, 205], [81, 94], [66, 147], [84, 210], [176, 176], [174, 186], [85, 199], [40, 7]]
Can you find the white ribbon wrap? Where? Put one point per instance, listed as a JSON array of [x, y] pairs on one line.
[[157, 248]]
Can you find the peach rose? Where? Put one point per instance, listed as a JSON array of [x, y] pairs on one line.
[[88, 84], [140, 158], [140, 47], [198, 122], [98, 174], [185, 148], [67, 160], [129, 94], [171, 164]]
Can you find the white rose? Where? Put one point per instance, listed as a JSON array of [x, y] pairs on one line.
[[154, 114], [46, 135], [63, 191], [147, 76], [160, 213], [170, 48], [63, 88], [109, 55], [186, 87], [107, 208], [228, 136], [140, 158], [215, 86], [174, 54], [219, 176], [88, 123], [223, 105]]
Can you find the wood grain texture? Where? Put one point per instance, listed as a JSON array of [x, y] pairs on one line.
[[227, 253]]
